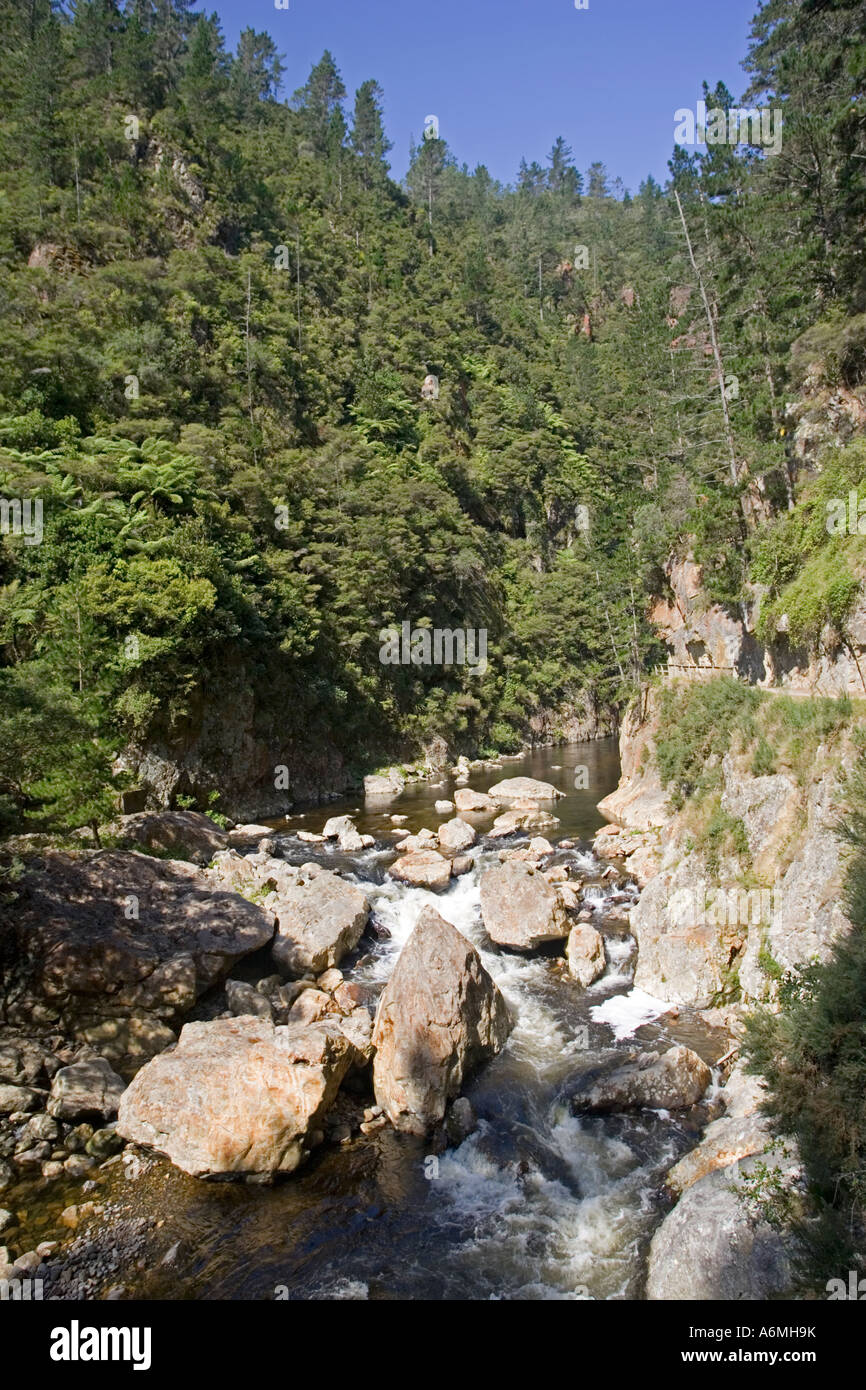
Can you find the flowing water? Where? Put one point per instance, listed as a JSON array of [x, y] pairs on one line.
[[537, 1203]]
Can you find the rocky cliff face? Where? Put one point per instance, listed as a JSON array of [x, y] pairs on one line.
[[228, 746], [713, 932], [706, 639]]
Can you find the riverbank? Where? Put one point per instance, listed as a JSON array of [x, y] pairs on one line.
[[541, 1199]]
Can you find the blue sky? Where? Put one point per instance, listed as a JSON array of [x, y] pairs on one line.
[[505, 77]]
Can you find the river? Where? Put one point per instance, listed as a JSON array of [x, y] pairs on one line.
[[537, 1203]]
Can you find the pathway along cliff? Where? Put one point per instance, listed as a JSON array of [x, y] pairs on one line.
[[539, 1202]]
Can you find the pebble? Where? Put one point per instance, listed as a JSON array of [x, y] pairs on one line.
[[77, 1165], [70, 1216], [35, 1157], [78, 1137], [28, 1263], [370, 1126], [104, 1142]]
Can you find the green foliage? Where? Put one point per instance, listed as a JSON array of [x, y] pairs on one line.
[[696, 728], [216, 328], [767, 1193], [722, 833], [809, 562], [700, 723], [764, 760]]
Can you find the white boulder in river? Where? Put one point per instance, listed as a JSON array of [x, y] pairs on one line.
[[465, 799], [585, 953], [422, 868], [520, 908], [440, 1016], [456, 835], [237, 1095], [345, 832], [523, 789]]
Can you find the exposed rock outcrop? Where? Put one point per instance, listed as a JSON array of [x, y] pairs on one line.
[[716, 1245], [703, 937], [639, 801], [114, 948], [440, 1016], [705, 638], [242, 732], [186, 834], [741, 1132]]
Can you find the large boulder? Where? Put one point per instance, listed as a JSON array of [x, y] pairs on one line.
[[114, 948], [676, 1080], [520, 908], [237, 1095], [455, 835], [423, 868], [465, 799], [85, 1089], [639, 801], [320, 918], [510, 822], [345, 832], [186, 834], [319, 915], [439, 1017], [513, 789], [585, 953], [714, 1245], [384, 786]]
